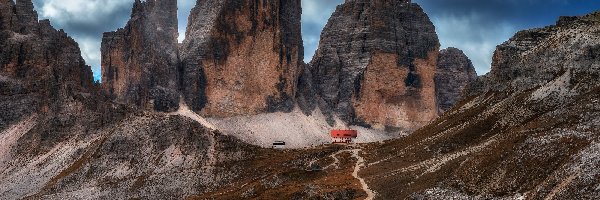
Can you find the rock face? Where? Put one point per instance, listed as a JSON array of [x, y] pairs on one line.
[[242, 57], [41, 69], [140, 61], [522, 62], [528, 129], [376, 63], [454, 73], [306, 96]]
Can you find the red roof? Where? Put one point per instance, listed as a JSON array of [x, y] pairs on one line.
[[344, 133]]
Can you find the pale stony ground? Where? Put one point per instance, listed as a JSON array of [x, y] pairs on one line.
[[445, 194], [185, 111], [295, 128], [9, 138], [172, 162], [560, 87], [27, 179]]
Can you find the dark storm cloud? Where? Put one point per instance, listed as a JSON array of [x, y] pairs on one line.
[[475, 26], [85, 21]]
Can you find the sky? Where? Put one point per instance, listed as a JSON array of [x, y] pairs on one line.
[[475, 26]]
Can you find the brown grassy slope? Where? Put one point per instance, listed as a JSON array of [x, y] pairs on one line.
[[294, 182], [531, 127], [499, 147]]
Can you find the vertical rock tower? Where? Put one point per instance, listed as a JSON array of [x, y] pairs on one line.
[[41, 68], [140, 62], [35, 52], [376, 63], [19, 16], [242, 57], [454, 73]]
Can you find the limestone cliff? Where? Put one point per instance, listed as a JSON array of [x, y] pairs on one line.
[[140, 61], [41, 68], [376, 63], [242, 57], [533, 57], [454, 73]]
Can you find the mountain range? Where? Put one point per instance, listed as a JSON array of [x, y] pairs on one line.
[[196, 120]]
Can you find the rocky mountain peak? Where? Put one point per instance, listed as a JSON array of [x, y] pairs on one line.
[[375, 65], [140, 62], [24, 52], [454, 73], [520, 63], [380, 1], [25, 13], [20, 16], [242, 57], [41, 68]]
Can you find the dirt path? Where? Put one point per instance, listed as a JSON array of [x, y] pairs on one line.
[[185, 111], [336, 161], [359, 164]]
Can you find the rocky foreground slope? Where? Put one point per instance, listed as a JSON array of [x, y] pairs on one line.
[[528, 129]]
